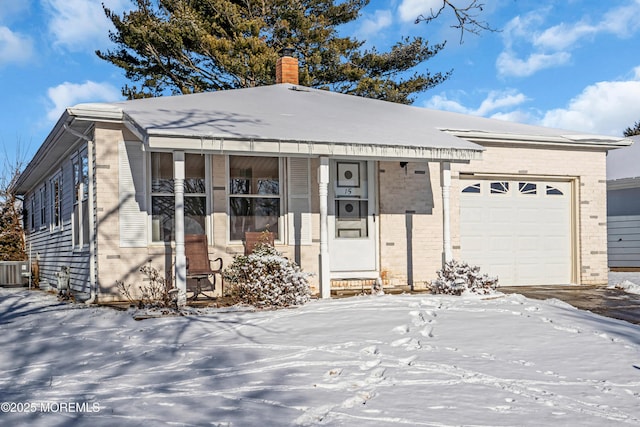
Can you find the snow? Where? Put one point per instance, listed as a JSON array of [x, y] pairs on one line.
[[390, 360], [626, 281]]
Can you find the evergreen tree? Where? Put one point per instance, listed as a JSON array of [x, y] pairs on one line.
[[635, 130], [12, 246], [187, 46]]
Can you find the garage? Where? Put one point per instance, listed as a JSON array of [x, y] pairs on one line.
[[518, 230]]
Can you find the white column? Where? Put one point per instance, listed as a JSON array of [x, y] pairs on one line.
[[323, 190], [181, 259], [446, 210]]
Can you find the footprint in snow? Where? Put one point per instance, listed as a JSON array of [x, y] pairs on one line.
[[427, 331], [402, 329]]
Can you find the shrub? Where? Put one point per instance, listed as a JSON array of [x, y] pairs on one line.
[[266, 279], [155, 293], [456, 278]]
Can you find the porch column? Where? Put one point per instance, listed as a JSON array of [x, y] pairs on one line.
[[445, 179], [323, 190], [181, 259]]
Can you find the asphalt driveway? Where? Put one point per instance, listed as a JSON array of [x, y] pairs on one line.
[[614, 303]]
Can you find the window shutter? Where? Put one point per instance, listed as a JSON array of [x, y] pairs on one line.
[[132, 211], [299, 216]]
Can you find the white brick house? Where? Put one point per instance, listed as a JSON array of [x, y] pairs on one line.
[[353, 188]]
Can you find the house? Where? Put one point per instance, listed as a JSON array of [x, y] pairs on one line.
[[354, 189], [623, 206]]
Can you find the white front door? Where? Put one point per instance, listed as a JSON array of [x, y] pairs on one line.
[[352, 227]]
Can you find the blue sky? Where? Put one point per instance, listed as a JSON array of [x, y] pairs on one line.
[[569, 64]]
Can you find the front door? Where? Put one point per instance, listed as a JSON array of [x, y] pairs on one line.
[[352, 227]]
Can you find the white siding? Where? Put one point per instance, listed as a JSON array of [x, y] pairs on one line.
[[623, 241]]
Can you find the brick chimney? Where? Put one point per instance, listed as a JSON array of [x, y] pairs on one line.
[[287, 67]]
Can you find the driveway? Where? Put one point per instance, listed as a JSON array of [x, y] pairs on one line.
[[614, 303]]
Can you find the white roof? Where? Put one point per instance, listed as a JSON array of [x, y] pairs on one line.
[[286, 112]]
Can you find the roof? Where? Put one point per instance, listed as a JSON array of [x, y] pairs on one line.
[[285, 119], [624, 164]]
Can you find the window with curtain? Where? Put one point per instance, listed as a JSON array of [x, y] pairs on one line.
[[254, 195]]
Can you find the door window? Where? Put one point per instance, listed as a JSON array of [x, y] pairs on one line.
[[351, 200]]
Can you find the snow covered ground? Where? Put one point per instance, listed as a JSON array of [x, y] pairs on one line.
[[408, 360]]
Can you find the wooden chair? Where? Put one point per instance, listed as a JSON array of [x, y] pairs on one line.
[[252, 238], [199, 265]]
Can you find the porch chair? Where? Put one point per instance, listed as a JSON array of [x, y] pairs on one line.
[[199, 264], [252, 238]]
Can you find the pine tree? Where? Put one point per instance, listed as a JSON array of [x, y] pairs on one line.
[[635, 130], [187, 46]]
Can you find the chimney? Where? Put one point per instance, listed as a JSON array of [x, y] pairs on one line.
[[287, 67]]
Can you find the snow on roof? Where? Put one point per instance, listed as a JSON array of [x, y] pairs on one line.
[[286, 112]]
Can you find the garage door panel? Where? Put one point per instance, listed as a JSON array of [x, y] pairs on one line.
[[522, 237]]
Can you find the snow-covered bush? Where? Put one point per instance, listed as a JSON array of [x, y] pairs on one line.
[[266, 279], [455, 278]]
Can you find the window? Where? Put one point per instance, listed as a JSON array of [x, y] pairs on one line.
[[80, 166], [43, 206], [527, 188], [195, 194], [32, 213], [56, 202], [500, 187], [472, 189], [162, 200], [553, 191], [254, 195], [351, 200]]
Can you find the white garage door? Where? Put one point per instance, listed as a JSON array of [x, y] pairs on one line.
[[519, 231]]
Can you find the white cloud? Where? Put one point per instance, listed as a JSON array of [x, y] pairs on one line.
[[68, 94], [543, 48], [494, 102], [605, 108], [80, 24], [509, 65], [14, 47], [372, 25], [409, 10]]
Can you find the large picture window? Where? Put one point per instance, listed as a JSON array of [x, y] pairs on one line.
[[254, 195]]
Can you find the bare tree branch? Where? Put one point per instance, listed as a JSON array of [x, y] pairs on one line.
[[467, 17]]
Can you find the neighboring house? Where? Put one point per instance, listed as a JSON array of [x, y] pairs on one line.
[[623, 206], [353, 189]]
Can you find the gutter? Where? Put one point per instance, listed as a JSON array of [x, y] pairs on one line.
[[568, 140]]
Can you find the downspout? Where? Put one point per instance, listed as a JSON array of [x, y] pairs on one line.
[[93, 285]]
